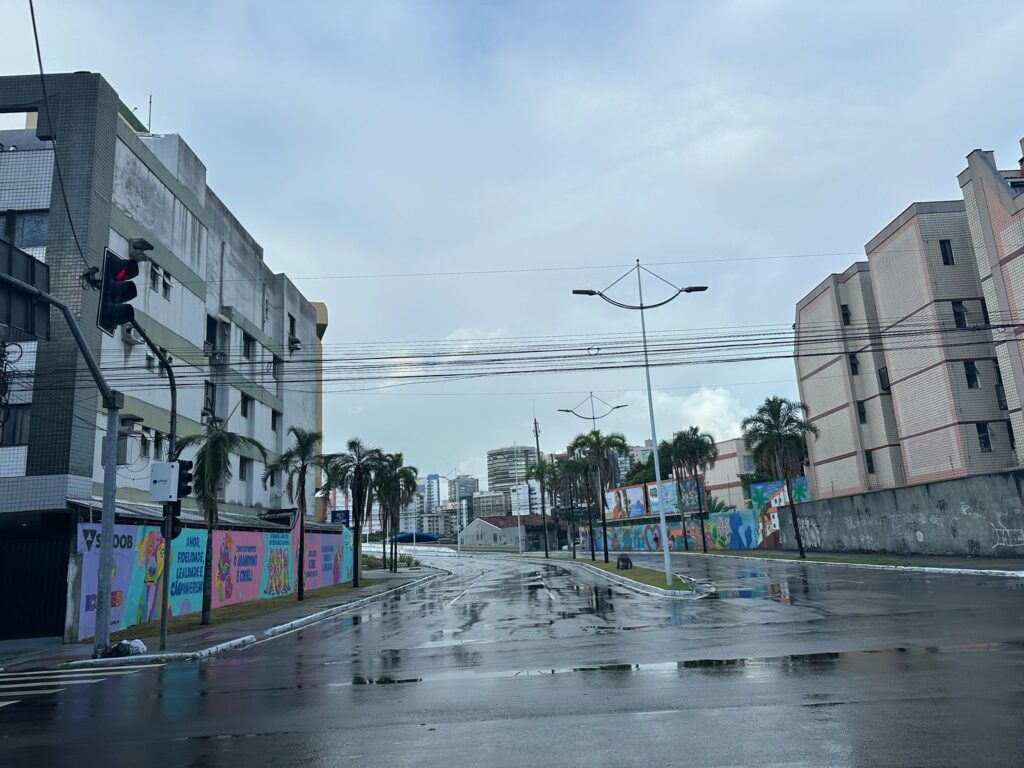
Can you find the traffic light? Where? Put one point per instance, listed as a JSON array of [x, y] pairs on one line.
[[184, 479], [171, 526], [116, 290]]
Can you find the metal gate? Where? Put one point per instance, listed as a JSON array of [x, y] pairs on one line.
[[33, 585]]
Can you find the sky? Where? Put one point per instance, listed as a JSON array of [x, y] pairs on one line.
[[380, 138]]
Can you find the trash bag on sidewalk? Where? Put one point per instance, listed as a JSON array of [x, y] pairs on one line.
[[125, 648]]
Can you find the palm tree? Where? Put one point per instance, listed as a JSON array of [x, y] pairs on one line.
[[212, 470], [295, 464], [775, 435], [395, 484], [541, 471], [356, 468], [570, 474], [716, 505], [596, 449], [694, 452]]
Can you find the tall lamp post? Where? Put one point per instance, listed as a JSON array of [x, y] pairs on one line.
[[600, 480], [647, 372]]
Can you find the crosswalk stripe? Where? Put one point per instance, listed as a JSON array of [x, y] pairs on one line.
[[60, 676], [7, 686], [86, 671], [34, 693]]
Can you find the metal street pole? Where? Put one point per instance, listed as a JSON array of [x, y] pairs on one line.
[[543, 505], [647, 373], [519, 518], [654, 439]]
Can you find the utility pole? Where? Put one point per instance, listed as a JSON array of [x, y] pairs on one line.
[[543, 505]]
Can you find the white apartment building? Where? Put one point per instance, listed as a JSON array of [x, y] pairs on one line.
[[244, 340]]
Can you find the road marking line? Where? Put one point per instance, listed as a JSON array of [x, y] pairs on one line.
[[61, 678], [5, 703], [468, 587], [122, 670], [6, 686], [34, 693]]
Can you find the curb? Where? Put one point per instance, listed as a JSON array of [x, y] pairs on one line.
[[877, 566], [243, 642], [313, 618], [643, 589]]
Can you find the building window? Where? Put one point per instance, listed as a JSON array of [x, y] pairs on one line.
[[272, 478], [1000, 390], [158, 446], [244, 468], [854, 366], [844, 310], [246, 406], [275, 421], [150, 362], [984, 439], [883, 378], [959, 314], [159, 280], [291, 326], [869, 459], [144, 444], [209, 398], [984, 313], [1009, 432], [25, 229], [862, 412], [248, 346], [211, 332], [971, 372], [14, 430], [946, 247], [275, 367]]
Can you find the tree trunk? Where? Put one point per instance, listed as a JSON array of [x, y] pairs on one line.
[[700, 512], [590, 524], [357, 547], [301, 565], [384, 519], [211, 522], [604, 520], [682, 513], [792, 514]]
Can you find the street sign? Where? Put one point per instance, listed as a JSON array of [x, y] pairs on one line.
[[24, 318], [163, 481]]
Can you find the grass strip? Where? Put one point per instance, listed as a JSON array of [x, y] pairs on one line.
[[641, 575]]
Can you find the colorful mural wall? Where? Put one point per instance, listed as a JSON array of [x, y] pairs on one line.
[[247, 565], [756, 528], [628, 501]]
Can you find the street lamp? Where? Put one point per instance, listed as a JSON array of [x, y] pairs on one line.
[[647, 372], [600, 481]]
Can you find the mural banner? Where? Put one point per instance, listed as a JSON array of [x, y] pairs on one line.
[[138, 574], [624, 502], [247, 565], [668, 487]]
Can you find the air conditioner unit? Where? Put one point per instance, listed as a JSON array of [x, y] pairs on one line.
[[131, 336], [207, 349], [219, 358], [294, 344]]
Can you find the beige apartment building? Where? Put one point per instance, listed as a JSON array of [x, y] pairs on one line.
[[841, 375], [910, 363], [723, 481]]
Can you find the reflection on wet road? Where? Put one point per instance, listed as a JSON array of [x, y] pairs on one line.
[[508, 662]]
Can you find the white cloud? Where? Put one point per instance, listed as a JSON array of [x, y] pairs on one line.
[[713, 409]]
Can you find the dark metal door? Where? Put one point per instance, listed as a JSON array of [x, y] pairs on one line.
[[33, 585]]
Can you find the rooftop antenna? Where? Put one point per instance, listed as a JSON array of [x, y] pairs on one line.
[[149, 122]]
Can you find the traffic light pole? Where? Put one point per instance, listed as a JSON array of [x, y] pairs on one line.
[[172, 454], [112, 401]]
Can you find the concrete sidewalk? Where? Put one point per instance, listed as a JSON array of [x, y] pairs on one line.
[[49, 651]]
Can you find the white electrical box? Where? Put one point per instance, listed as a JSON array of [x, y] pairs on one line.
[[163, 481]]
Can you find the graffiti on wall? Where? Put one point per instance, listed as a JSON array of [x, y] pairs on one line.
[[247, 565]]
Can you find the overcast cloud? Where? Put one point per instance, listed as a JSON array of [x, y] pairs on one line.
[[382, 137]]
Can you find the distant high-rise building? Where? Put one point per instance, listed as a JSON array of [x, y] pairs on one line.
[[431, 494], [509, 466], [490, 503], [462, 487]]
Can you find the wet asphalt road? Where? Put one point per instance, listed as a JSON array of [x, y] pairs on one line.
[[521, 664]]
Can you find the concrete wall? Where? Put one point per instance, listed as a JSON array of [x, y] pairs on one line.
[[980, 515]]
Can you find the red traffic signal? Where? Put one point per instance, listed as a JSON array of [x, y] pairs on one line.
[[116, 290]]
